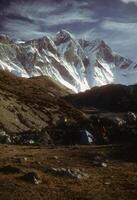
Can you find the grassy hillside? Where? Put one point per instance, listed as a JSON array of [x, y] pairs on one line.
[[32, 103]]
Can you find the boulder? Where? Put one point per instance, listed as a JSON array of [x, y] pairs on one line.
[[119, 121], [72, 173], [4, 137], [32, 177], [130, 118], [99, 161]]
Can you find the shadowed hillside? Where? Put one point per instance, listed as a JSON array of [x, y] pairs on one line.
[[117, 98]]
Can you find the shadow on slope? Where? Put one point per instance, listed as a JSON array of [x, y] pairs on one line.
[[117, 98]]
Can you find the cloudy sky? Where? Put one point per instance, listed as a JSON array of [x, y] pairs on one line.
[[114, 21]]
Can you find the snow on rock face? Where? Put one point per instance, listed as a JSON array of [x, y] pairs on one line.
[[77, 64], [105, 66], [62, 37], [5, 39]]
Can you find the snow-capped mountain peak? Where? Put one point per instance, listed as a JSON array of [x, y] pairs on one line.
[[77, 64], [62, 36], [5, 39]]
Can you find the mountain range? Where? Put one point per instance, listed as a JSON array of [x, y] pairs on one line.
[[76, 63]]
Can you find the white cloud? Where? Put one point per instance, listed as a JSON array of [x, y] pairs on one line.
[[119, 26], [30, 8], [69, 18], [23, 30], [121, 36], [42, 16], [129, 1]]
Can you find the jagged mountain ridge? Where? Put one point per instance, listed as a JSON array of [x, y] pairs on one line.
[[77, 64]]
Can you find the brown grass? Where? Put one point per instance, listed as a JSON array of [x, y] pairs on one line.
[[117, 181], [33, 103]]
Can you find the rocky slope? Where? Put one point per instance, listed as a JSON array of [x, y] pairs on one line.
[[77, 64], [32, 104]]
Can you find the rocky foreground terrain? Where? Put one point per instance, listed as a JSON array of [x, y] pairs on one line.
[[68, 173]]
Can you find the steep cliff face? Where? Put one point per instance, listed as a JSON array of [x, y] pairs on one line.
[[77, 64]]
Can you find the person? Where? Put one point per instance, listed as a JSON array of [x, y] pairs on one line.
[[100, 132]]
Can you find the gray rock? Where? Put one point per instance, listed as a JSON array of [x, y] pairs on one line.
[[32, 177], [103, 164], [130, 118], [21, 160], [99, 161], [55, 157], [119, 121], [4, 137], [72, 173], [30, 142]]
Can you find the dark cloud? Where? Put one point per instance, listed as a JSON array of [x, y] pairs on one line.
[[114, 21]]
